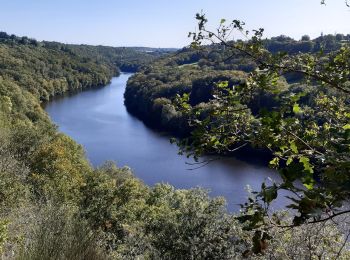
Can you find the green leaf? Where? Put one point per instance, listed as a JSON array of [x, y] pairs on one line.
[[269, 193], [275, 162], [296, 108], [293, 147], [306, 163], [289, 161], [308, 180], [346, 127], [309, 185]]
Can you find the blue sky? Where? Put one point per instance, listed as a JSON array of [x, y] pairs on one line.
[[163, 23]]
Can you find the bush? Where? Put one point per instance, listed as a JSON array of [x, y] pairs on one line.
[[57, 233]]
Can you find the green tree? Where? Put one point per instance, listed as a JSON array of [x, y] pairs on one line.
[[309, 141], [305, 38]]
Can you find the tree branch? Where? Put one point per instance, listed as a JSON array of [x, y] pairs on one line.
[[316, 221]]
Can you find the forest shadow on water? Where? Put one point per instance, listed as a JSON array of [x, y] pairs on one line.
[[97, 119]]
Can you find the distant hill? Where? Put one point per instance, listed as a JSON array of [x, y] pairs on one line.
[[49, 68], [129, 59], [150, 92]]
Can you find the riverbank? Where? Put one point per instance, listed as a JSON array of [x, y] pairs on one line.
[[98, 119]]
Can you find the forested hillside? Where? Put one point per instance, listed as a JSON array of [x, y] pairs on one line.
[[48, 68], [55, 205], [149, 93], [46, 72], [127, 59], [288, 98]]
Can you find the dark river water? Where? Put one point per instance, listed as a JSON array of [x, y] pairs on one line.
[[98, 120]]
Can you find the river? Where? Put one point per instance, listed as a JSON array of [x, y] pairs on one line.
[[99, 121]]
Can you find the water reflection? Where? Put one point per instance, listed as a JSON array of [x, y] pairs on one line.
[[98, 120]]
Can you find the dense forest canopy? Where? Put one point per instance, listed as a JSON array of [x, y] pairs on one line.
[[55, 205], [84, 58], [285, 96], [149, 93], [308, 138]]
